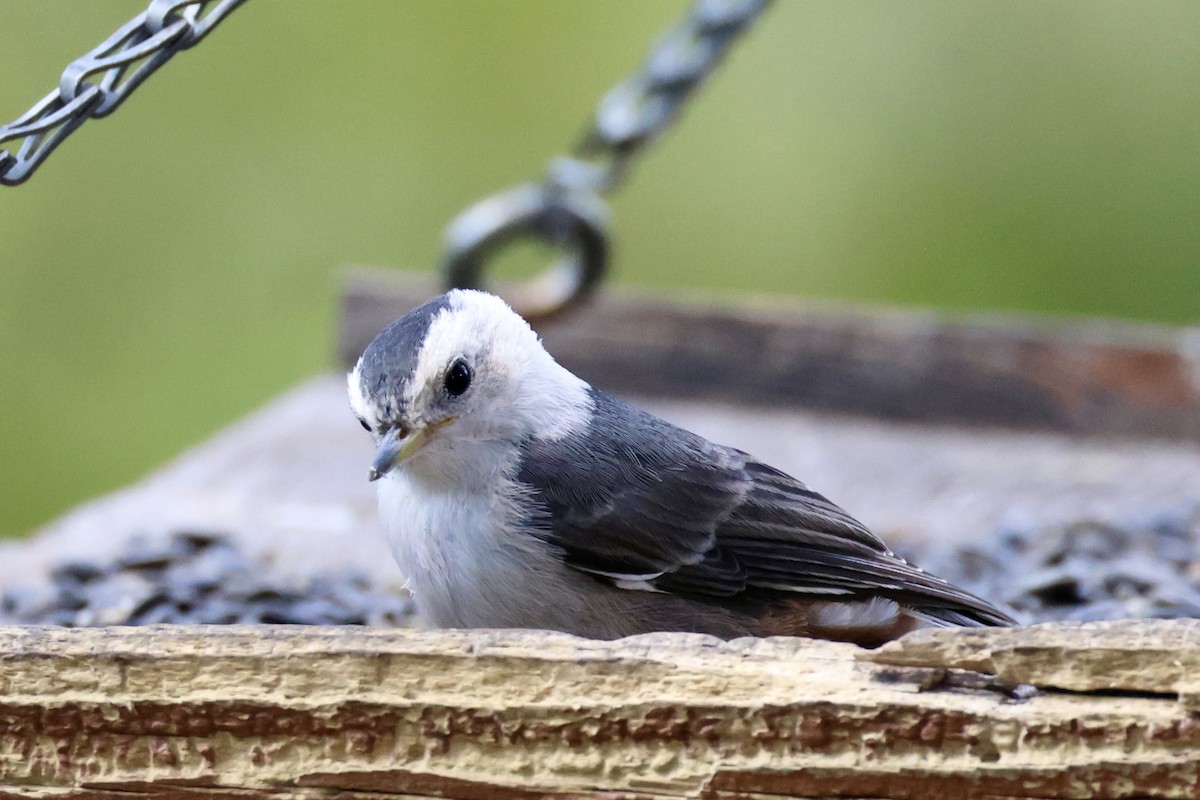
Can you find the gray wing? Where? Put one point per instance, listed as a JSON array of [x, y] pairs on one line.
[[638, 499]]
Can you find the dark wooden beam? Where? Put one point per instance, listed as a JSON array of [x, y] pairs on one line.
[[1085, 377]]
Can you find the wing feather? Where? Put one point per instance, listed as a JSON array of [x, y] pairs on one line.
[[638, 499]]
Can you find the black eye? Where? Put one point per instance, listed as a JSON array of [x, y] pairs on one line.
[[458, 378], [366, 427]]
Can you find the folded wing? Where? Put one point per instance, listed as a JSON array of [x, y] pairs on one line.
[[642, 503]]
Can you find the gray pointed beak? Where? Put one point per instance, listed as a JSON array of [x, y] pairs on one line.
[[396, 443], [399, 443]]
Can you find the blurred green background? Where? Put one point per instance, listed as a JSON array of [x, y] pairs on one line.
[[174, 265]]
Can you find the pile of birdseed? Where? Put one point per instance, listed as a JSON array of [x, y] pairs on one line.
[[199, 578], [1082, 571]]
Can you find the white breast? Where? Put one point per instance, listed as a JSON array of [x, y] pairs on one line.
[[464, 561]]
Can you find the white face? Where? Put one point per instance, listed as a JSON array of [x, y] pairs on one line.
[[481, 381]]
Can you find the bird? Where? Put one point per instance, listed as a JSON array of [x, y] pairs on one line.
[[516, 495]]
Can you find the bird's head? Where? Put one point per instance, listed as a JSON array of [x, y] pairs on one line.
[[456, 377]]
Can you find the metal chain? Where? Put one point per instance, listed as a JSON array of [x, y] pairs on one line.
[[566, 210], [124, 60]]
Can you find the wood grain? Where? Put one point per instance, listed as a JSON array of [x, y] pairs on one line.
[[1086, 377], [303, 712]]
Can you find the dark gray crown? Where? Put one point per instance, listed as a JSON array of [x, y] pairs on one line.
[[391, 358]]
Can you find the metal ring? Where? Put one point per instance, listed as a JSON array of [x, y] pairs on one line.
[[573, 220]]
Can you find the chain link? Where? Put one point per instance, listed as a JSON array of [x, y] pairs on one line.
[[565, 210], [123, 61], [635, 112]]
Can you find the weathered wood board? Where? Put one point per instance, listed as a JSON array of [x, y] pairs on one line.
[[301, 712], [1131, 656]]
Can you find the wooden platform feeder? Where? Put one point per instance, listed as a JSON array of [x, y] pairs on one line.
[[919, 425]]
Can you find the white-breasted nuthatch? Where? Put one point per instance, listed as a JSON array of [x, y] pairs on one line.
[[516, 495]]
